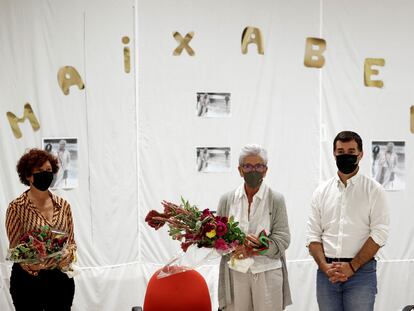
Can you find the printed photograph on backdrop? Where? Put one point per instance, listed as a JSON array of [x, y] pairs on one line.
[[66, 151], [388, 164], [213, 105], [213, 159]]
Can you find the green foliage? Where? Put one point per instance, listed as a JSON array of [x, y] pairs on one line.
[[234, 233]]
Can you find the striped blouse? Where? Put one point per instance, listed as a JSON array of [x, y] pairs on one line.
[[22, 216]]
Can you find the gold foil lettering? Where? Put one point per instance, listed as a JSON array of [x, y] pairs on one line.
[[183, 43], [313, 56], [68, 76], [368, 72], [252, 35], [27, 114], [412, 119], [127, 55]]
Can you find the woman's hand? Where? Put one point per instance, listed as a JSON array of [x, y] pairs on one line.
[[33, 267], [253, 241], [242, 252], [65, 260]]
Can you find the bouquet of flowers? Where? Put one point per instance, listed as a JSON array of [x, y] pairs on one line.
[[191, 226], [38, 245]]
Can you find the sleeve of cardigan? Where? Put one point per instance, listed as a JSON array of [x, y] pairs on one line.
[[222, 206], [279, 235]]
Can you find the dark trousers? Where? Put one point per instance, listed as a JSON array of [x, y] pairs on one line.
[[51, 290]]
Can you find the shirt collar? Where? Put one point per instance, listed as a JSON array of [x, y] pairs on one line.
[[351, 181], [53, 196], [241, 192]]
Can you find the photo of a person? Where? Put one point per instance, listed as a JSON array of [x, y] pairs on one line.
[[203, 159], [213, 105], [65, 151], [63, 157], [213, 159], [375, 153], [388, 164], [48, 147], [202, 104]]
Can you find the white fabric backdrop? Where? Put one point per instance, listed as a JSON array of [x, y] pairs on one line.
[[274, 102], [38, 38], [138, 132], [354, 31]]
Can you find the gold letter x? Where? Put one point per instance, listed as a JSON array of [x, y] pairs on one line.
[[183, 43]]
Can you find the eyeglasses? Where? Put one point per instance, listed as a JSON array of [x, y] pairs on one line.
[[257, 167]]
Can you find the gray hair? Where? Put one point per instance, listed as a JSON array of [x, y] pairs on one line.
[[252, 149]]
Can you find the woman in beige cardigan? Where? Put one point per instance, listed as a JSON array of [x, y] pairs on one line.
[[260, 282]]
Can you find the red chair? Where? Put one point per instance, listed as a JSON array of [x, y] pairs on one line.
[[184, 291]]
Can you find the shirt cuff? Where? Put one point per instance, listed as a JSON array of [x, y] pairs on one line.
[[379, 238], [313, 239]]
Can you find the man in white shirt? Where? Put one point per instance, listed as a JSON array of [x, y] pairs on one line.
[[348, 224], [258, 283]]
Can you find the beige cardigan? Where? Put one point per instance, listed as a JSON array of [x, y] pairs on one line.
[[280, 239]]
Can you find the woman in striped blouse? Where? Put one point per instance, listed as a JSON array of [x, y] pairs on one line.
[[40, 286]]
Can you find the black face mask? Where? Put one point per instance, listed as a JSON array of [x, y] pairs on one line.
[[42, 180], [346, 163], [253, 179]]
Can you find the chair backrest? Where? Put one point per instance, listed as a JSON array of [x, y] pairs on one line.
[[184, 291]]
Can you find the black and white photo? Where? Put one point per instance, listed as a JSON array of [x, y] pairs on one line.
[[388, 164], [66, 151], [213, 159], [213, 105]]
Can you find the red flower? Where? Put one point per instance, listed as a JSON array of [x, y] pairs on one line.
[[221, 228], [40, 247], [155, 220], [208, 227], [25, 238], [186, 245], [59, 242], [220, 244], [206, 213], [170, 209], [223, 219]]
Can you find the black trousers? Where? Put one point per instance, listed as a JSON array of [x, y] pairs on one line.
[[51, 290]]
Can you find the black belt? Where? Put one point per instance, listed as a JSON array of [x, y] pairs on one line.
[[331, 260]]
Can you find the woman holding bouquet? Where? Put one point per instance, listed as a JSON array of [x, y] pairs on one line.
[[258, 279], [41, 285]]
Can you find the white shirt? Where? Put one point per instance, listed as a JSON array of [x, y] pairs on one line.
[[343, 218], [255, 222]]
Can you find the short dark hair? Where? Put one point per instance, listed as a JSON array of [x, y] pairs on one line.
[[32, 159], [346, 136]]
